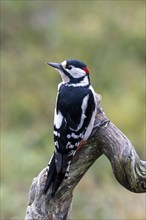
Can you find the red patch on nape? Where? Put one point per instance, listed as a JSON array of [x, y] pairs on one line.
[[86, 70]]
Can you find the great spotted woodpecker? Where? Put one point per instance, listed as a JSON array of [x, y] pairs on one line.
[[73, 119]]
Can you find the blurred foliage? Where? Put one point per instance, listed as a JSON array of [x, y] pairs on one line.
[[107, 35]]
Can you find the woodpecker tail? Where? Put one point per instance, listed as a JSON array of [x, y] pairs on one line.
[[58, 170]]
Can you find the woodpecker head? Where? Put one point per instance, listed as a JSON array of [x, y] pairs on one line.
[[73, 71]]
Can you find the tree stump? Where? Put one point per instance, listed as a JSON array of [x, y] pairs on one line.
[[106, 139]]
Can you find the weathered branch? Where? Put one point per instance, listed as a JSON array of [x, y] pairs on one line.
[[128, 169]]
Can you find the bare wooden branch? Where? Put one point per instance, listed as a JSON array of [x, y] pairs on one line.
[[106, 139], [128, 169]]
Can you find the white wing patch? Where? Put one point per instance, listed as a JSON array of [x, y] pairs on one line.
[[58, 119], [91, 124], [83, 107]]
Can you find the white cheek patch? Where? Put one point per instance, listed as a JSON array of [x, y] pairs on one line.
[[77, 72]]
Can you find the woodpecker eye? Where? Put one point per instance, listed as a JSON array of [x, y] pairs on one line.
[[69, 67]]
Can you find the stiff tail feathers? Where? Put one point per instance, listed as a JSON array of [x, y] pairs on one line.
[[51, 173], [58, 170]]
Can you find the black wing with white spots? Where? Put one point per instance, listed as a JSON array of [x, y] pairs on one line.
[[74, 110]]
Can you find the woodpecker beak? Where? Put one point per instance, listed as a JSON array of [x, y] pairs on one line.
[[55, 65]]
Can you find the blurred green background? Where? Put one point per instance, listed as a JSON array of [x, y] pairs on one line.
[[107, 35]]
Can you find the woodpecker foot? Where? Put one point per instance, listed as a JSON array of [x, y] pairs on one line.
[[104, 122], [81, 143]]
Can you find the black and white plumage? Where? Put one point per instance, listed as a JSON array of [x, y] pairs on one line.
[[73, 119]]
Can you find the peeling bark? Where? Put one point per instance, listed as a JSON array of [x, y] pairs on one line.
[[106, 139]]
